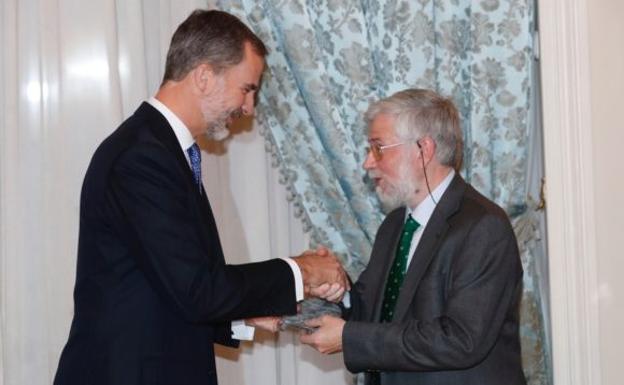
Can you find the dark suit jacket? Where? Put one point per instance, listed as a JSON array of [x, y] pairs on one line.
[[456, 319], [152, 290]]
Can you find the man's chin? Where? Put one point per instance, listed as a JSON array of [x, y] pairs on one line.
[[217, 133], [388, 202]]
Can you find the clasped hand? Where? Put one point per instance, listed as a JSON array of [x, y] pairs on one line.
[[323, 277]]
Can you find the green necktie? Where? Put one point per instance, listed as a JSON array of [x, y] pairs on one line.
[[398, 270]]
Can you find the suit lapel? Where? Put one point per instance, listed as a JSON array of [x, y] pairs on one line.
[[162, 130], [209, 221], [429, 243], [389, 240], [164, 133]]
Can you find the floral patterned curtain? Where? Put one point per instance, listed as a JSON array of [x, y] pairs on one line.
[[330, 58]]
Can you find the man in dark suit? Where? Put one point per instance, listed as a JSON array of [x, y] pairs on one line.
[[438, 301], [153, 291]]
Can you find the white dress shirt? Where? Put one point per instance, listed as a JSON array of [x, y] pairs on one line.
[[422, 212]]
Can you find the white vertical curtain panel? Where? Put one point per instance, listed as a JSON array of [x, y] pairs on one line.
[[70, 72]]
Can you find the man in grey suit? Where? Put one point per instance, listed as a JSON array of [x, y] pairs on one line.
[[438, 301]]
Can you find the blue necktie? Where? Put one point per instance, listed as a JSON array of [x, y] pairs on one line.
[[195, 157]]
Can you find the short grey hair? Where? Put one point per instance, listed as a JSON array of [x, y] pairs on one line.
[[213, 37], [419, 113]]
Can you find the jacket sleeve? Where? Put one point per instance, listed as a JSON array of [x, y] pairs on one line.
[[152, 205]]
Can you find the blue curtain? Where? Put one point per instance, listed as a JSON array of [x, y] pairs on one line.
[[330, 58]]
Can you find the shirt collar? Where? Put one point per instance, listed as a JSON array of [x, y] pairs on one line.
[[423, 211], [181, 131]]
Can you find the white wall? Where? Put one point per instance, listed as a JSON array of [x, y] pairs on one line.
[[606, 31], [582, 63]]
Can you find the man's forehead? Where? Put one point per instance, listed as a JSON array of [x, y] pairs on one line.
[[248, 71], [381, 127], [255, 68]]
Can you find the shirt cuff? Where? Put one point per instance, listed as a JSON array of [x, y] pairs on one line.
[[346, 300], [298, 278], [241, 331]]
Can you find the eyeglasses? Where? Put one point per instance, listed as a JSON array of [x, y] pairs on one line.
[[377, 149]]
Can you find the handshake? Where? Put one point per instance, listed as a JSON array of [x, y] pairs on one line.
[[323, 277]]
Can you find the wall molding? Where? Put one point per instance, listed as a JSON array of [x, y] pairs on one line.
[[568, 160]]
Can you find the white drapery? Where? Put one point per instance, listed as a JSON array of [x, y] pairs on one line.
[[70, 72]]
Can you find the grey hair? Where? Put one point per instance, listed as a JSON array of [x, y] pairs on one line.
[[419, 113], [212, 37]]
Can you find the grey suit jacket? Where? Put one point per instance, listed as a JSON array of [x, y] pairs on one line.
[[456, 319]]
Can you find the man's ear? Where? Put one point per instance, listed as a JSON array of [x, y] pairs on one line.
[[427, 147], [204, 78]]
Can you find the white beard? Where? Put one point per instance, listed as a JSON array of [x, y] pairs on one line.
[[215, 113], [217, 130], [398, 194]]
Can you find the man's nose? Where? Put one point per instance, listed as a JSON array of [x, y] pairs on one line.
[[369, 161], [248, 108]]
